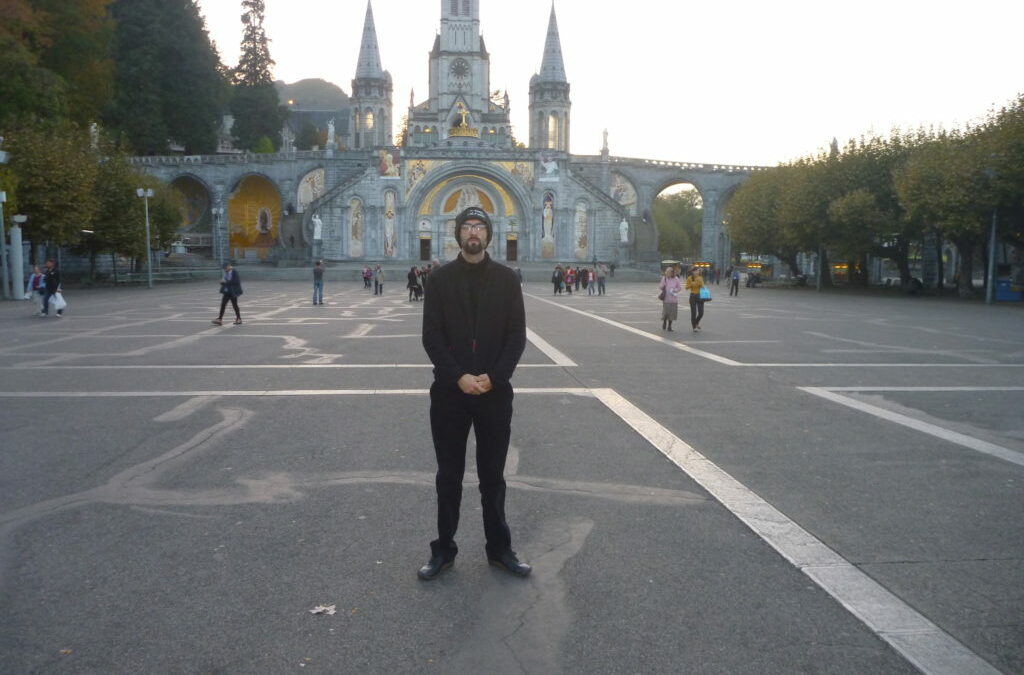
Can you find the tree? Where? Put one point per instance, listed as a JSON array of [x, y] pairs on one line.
[[78, 50], [27, 89], [679, 218], [169, 84], [308, 137], [56, 171], [255, 104], [254, 66], [947, 184]]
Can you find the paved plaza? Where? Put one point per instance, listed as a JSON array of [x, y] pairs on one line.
[[815, 483]]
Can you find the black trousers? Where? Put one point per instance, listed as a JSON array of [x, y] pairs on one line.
[[224, 304], [734, 287], [452, 413], [696, 310]]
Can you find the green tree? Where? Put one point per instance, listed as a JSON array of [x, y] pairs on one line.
[[169, 83], [78, 50], [56, 172], [255, 103], [679, 218], [307, 137], [947, 183]]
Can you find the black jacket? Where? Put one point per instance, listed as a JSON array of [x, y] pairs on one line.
[[454, 344], [233, 286], [51, 279]]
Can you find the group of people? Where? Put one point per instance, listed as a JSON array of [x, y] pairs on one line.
[[43, 286], [671, 287], [592, 279], [417, 280]]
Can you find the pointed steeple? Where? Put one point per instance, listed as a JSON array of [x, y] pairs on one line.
[[552, 68], [369, 54]]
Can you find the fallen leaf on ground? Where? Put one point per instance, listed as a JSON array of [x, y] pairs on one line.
[[323, 609]]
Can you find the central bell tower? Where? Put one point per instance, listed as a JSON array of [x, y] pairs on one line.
[[461, 102]]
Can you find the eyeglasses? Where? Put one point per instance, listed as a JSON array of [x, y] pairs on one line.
[[472, 227]]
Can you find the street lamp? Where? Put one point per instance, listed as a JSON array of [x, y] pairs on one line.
[[217, 213], [3, 250], [145, 195]]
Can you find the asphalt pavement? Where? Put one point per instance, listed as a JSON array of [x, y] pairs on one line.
[[813, 483]]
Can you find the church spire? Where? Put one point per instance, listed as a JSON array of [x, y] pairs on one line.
[[369, 54], [552, 68]]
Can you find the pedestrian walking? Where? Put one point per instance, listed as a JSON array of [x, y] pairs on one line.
[[694, 284], [670, 289], [734, 281], [35, 288], [51, 285], [318, 283], [557, 278], [413, 284], [367, 276], [570, 278], [591, 281], [230, 290], [474, 331], [602, 272], [576, 277], [378, 281]]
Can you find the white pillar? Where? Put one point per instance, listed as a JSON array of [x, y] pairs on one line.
[[17, 264]]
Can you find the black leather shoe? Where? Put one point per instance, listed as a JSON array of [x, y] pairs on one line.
[[510, 563], [434, 567]]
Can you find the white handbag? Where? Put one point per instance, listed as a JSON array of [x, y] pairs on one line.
[[58, 302]]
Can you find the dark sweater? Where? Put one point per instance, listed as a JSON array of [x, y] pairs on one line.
[[474, 321]]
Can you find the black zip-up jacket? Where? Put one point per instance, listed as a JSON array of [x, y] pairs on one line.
[[51, 279], [455, 343]]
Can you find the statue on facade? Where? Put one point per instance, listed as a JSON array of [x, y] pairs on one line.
[[330, 132], [318, 228], [624, 231]]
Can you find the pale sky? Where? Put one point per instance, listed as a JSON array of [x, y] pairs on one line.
[[748, 82]]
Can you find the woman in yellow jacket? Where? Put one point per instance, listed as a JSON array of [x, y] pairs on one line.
[[694, 282]]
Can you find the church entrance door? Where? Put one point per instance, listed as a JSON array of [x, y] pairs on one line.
[[425, 249], [511, 250]]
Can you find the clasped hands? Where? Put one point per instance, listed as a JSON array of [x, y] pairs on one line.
[[475, 385]]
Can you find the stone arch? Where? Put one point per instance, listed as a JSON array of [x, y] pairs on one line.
[[432, 195], [197, 200], [254, 210]]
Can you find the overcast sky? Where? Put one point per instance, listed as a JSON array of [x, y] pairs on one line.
[[716, 82]]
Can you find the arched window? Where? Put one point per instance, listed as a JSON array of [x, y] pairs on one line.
[[368, 121], [553, 129]]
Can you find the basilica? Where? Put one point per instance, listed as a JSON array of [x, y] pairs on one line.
[[369, 197]]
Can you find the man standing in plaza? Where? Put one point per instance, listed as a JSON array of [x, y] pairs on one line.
[[734, 280], [318, 283], [474, 331]]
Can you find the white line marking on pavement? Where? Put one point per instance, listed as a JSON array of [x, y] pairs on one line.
[[650, 336], [730, 362], [924, 388], [185, 409], [556, 356], [575, 391], [925, 645], [243, 366], [924, 427]]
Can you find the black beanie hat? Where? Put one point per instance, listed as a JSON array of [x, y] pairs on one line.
[[473, 213]]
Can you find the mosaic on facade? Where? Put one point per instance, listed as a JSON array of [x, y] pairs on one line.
[[623, 192], [254, 216], [355, 220], [581, 230], [547, 237], [311, 188], [390, 232]]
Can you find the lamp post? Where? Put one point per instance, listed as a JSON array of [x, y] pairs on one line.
[[145, 194], [3, 250], [990, 283], [218, 244]]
